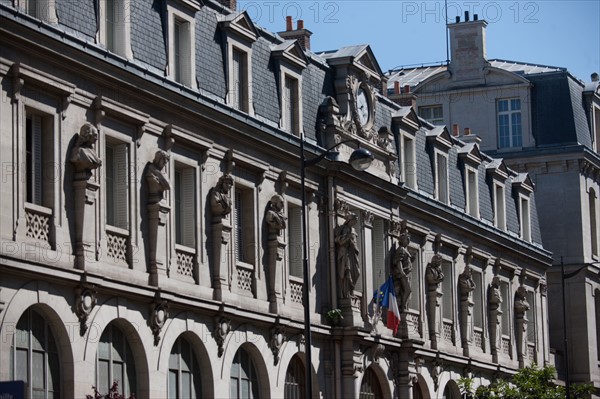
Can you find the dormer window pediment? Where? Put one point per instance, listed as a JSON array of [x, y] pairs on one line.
[[407, 119], [290, 52], [497, 169], [440, 138], [471, 154], [523, 183], [241, 25]]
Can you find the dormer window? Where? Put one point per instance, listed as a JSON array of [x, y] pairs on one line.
[[441, 141], [115, 26], [499, 206], [239, 34], [408, 163], [472, 158], [290, 62], [44, 10], [182, 51], [497, 173], [523, 187], [433, 114]]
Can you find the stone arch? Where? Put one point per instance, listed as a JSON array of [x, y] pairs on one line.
[[451, 390], [288, 350], [421, 387], [54, 308], [381, 376], [197, 333], [133, 326]]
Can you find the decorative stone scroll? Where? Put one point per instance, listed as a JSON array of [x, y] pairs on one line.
[[222, 328], [277, 340], [85, 301], [159, 313]]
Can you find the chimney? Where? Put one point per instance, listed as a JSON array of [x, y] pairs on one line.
[[231, 4], [300, 33], [468, 56], [468, 136], [595, 77], [397, 87], [406, 89], [455, 130]]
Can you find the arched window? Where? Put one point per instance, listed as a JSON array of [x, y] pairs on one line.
[[115, 362], [417, 393], [451, 391], [244, 384], [369, 387], [294, 379], [35, 357], [184, 371]]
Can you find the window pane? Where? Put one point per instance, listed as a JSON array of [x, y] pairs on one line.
[[173, 389], [103, 376], [37, 370], [118, 374], [515, 104], [22, 359], [186, 385]]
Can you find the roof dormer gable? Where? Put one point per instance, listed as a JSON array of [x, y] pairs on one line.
[[497, 169], [471, 154], [239, 24], [523, 183], [290, 51], [439, 137], [407, 119]]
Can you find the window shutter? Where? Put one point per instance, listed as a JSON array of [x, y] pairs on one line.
[[236, 89], [238, 226], [121, 186], [478, 300], [188, 207], [506, 314], [448, 292], [37, 158], [531, 317], [186, 54], [295, 253]]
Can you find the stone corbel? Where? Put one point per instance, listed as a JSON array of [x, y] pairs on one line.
[[17, 84], [377, 352], [437, 368], [168, 137], [367, 217], [159, 313], [222, 328], [282, 182], [341, 207], [85, 301], [277, 340]]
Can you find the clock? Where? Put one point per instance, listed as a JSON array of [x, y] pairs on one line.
[[363, 107]]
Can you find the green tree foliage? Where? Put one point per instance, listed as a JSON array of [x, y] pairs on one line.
[[530, 382]]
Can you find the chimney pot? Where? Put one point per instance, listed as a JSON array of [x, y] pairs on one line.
[[457, 18], [300, 24], [467, 131], [396, 87], [288, 23], [595, 77], [455, 129], [466, 16], [406, 89]]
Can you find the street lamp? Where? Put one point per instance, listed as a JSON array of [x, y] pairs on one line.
[[360, 160], [563, 277]]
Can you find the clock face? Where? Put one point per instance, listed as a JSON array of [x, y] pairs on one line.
[[362, 106]]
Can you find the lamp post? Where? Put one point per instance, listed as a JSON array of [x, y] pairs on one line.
[[360, 160], [563, 277]]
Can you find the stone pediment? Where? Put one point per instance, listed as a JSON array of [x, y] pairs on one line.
[[290, 51], [407, 118], [497, 169], [440, 137], [523, 183], [359, 57], [470, 153], [239, 24]]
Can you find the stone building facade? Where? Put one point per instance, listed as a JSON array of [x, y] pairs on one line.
[[151, 216], [543, 121]]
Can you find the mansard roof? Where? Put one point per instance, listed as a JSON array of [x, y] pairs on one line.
[[359, 55]]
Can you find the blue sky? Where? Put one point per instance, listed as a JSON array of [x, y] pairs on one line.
[[557, 33]]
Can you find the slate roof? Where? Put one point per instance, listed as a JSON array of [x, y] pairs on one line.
[[149, 51]]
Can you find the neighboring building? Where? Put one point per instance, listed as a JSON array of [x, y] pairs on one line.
[[151, 216], [543, 121]]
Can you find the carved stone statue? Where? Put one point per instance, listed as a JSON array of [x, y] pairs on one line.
[[401, 271], [347, 255], [83, 155], [466, 286], [495, 314], [220, 197], [158, 183], [434, 277], [275, 218], [521, 308], [434, 274]]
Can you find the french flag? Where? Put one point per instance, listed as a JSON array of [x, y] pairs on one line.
[[385, 298]]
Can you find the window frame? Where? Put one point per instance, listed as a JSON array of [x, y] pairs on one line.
[[472, 193], [525, 217], [244, 230], [123, 385], [510, 112], [499, 206], [121, 31], [181, 164], [45, 10], [185, 20], [196, 383], [238, 47], [423, 109], [593, 213], [439, 195], [294, 244], [408, 147], [289, 107], [255, 390]]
